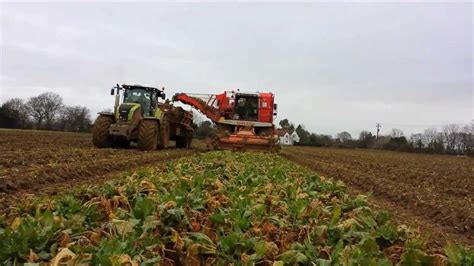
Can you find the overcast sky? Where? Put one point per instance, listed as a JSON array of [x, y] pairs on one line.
[[332, 67]]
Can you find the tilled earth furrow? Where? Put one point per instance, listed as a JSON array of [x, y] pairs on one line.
[[446, 211]]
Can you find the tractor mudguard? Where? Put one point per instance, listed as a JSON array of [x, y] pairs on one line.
[[106, 113]]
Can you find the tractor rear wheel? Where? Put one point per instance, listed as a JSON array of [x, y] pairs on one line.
[[148, 135], [100, 132], [164, 134]]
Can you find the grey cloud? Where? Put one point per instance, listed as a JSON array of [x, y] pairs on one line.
[[333, 67]]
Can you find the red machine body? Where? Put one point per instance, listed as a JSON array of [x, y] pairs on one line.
[[244, 120]]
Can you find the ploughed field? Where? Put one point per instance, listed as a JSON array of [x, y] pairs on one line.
[[32, 162], [215, 208], [434, 192], [63, 201]]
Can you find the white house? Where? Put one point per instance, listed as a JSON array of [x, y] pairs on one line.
[[288, 137]]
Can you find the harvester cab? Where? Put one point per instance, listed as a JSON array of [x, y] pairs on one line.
[[140, 117]]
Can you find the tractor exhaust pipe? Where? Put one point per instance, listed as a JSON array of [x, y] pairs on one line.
[[117, 98]]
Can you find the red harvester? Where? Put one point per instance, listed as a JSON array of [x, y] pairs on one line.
[[244, 120]]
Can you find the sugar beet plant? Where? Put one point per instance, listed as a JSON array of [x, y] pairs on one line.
[[214, 208]]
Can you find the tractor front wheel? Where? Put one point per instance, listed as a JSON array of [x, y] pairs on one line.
[[148, 135], [100, 132], [164, 134]]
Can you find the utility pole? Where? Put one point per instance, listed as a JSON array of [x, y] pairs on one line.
[[378, 126]]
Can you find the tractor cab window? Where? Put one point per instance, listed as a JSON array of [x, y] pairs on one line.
[[246, 107], [143, 97]]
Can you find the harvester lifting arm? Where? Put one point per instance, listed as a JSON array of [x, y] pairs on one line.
[[204, 107]]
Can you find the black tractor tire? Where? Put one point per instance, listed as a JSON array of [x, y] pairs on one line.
[[148, 135], [164, 134], [100, 132]]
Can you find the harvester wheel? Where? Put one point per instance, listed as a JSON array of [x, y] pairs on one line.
[[189, 139], [148, 135], [100, 132], [164, 134], [185, 141]]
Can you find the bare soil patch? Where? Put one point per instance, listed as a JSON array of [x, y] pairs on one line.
[[33, 162]]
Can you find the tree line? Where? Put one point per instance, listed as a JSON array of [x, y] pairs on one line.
[[45, 111], [451, 139]]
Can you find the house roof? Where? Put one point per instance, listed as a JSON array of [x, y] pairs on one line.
[[282, 131]]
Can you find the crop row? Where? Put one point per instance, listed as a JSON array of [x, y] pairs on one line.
[[214, 208]]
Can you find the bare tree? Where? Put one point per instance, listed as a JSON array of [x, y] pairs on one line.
[[450, 133], [74, 118], [465, 139], [429, 137], [344, 136], [439, 145], [417, 140], [15, 104], [36, 108], [45, 107], [396, 133]]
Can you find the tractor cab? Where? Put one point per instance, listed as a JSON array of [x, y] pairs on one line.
[[147, 97]]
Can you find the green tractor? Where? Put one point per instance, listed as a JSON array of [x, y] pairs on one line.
[[140, 118]]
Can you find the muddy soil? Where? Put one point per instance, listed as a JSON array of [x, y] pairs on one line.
[[432, 192], [34, 162]]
